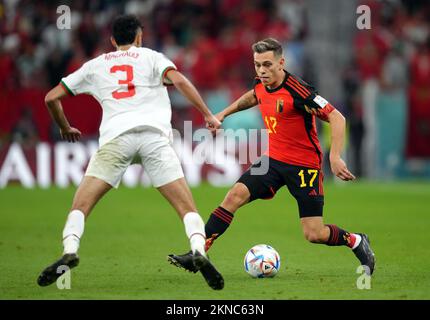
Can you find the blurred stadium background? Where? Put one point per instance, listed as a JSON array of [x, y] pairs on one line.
[[378, 78]]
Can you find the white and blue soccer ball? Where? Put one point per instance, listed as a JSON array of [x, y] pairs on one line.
[[262, 261]]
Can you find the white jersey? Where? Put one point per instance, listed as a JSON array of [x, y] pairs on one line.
[[129, 87]]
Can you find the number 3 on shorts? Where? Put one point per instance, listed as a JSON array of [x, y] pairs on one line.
[[311, 172]]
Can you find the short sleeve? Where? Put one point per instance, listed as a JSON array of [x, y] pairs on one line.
[[306, 98], [79, 81], [161, 65], [318, 106]]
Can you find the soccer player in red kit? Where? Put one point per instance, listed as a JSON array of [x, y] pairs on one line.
[[288, 106]]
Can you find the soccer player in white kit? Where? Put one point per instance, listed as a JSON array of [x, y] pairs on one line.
[[130, 85]]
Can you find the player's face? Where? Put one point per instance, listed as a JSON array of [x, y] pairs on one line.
[[269, 68]]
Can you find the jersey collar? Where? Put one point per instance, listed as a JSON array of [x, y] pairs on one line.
[[280, 86]]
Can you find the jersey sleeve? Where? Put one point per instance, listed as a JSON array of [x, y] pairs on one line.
[[79, 81], [306, 98], [161, 65]]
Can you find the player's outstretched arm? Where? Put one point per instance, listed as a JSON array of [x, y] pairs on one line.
[[53, 103], [246, 101], [188, 90], [338, 166]]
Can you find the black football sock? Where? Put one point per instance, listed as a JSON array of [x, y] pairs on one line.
[[218, 222], [340, 237]]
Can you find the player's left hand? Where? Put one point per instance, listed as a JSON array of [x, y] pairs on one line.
[[212, 123], [339, 169], [70, 134]]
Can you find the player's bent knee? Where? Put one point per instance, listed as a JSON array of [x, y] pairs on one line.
[[237, 197]]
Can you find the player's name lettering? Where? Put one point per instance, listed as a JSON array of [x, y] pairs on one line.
[[174, 310], [110, 56]]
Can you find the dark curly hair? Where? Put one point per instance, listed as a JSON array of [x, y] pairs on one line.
[[124, 29]]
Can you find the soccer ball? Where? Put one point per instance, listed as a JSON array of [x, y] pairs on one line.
[[262, 261]]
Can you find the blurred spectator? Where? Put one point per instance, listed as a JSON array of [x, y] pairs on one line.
[[391, 114], [25, 131], [354, 114], [371, 48], [7, 70], [419, 104]]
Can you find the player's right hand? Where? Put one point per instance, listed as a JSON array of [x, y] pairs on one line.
[[339, 169], [213, 124], [70, 134]]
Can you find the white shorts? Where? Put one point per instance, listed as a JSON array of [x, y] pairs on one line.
[[142, 145]]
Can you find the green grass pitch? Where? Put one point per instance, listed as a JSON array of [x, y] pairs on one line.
[[123, 251]]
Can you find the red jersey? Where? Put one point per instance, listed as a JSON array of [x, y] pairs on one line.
[[288, 113]]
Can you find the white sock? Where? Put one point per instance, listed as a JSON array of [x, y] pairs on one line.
[[195, 230], [73, 231], [357, 241]]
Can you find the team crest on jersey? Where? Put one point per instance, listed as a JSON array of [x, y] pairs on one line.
[[279, 105]]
